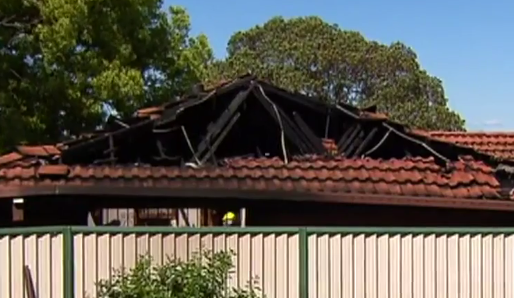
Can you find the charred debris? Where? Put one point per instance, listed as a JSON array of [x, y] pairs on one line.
[[247, 117]]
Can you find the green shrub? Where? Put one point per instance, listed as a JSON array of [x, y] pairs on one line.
[[205, 275]]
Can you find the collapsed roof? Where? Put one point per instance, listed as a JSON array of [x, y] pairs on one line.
[[247, 138]]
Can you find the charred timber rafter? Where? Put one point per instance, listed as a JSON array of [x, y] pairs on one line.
[[79, 148], [116, 122], [348, 137], [165, 130], [170, 115], [348, 131], [221, 137], [121, 123], [272, 109], [112, 149], [105, 161], [309, 134], [215, 128], [296, 130], [327, 122], [356, 141], [305, 101], [363, 145], [162, 153]]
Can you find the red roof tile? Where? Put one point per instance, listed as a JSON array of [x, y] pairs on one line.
[[408, 177], [46, 150], [499, 144], [150, 111], [26, 156], [10, 158]]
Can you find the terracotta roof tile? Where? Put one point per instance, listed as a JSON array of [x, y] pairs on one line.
[[45, 150], [150, 111], [10, 157], [28, 156], [500, 144], [409, 177], [57, 170]]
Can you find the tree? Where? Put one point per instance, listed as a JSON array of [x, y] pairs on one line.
[[204, 276], [64, 63], [311, 56]]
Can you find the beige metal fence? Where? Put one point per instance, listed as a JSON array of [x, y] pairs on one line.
[[432, 265], [43, 256], [266, 259], [287, 262]]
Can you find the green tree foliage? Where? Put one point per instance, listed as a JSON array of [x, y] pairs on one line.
[[204, 276], [62, 62], [311, 56]]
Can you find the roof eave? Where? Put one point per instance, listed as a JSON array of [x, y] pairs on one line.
[[101, 191]]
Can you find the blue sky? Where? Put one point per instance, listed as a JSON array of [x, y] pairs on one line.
[[468, 44]]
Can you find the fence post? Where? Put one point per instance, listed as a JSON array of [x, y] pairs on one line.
[[68, 262], [304, 263]]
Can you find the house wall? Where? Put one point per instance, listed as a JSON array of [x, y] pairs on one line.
[[6, 213], [127, 216], [48, 211]]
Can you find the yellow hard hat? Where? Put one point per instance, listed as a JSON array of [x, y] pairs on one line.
[[229, 216]]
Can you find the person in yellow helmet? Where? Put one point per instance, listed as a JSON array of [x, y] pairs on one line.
[[229, 218]]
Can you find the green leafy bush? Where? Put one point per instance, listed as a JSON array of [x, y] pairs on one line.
[[205, 275]]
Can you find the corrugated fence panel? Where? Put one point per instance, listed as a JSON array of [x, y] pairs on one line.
[[411, 265], [42, 254], [269, 260], [341, 264]]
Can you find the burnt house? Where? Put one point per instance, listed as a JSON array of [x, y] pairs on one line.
[[281, 157]]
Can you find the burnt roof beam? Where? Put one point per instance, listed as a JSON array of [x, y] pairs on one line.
[[170, 115], [309, 134], [310, 148], [303, 100], [356, 141], [72, 151], [364, 144], [405, 136], [222, 136], [285, 126], [349, 135], [215, 128], [162, 153]]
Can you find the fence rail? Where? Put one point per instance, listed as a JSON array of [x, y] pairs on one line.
[[66, 262]]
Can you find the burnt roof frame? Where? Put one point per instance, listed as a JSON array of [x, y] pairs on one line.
[[222, 135], [171, 114], [72, 150], [315, 141], [285, 126], [217, 127]]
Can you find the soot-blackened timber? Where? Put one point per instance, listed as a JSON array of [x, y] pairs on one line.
[[248, 117]]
